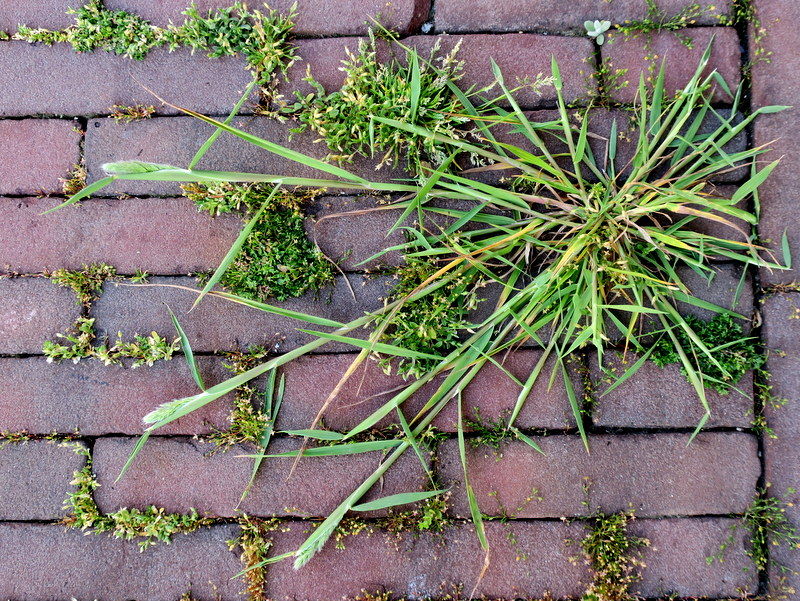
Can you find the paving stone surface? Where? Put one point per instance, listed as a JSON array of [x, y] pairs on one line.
[[490, 397], [673, 403], [218, 325], [158, 235], [654, 475], [48, 562], [681, 62], [677, 563], [329, 17], [533, 561], [35, 478], [50, 14], [781, 329], [95, 399], [38, 80], [179, 474], [506, 15], [776, 81], [33, 310], [35, 154]]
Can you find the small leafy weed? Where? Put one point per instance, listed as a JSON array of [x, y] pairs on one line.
[[127, 114], [767, 525], [75, 181], [613, 556], [153, 524], [87, 283], [736, 353], [596, 29]]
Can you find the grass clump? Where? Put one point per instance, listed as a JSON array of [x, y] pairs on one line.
[[153, 524], [581, 250], [735, 353], [277, 260], [613, 556], [416, 93], [86, 283]]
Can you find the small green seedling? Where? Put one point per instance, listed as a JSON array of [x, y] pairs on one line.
[[596, 29]]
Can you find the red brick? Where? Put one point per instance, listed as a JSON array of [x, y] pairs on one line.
[[507, 15], [175, 140], [352, 229], [217, 324], [36, 79], [35, 154], [681, 62], [676, 559], [96, 399], [157, 235], [179, 474], [781, 330], [329, 17], [33, 310], [50, 14], [35, 478], [656, 475], [527, 560], [71, 565], [309, 381], [658, 397]]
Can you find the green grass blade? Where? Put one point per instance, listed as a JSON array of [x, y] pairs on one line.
[[315, 434], [139, 444], [753, 183], [398, 499], [354, 448], [84, 193], [413, 60], [187, 351], [378, 347], [474, 510], [528, 441], [574, 404]]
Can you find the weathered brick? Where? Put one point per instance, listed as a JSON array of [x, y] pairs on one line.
[[35, 478], [507, 15], [175, 141], [157, 235], [681, 62], [35, 154], [352, 229], [50, 14], [781, 329], [217, 324], [33, 310], [178, 474], [656, 397], [776, 81], [491, 395], [48, 562], [656, 475], [96, 399], [528, 560], [329, 17], [36, 79], [676, 560]]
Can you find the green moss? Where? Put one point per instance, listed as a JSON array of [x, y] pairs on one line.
[[736, 353], [277, 261], [152, 525], [255, 542], [122, 113]]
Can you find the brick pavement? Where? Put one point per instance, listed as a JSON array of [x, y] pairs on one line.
[[53, 104]]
